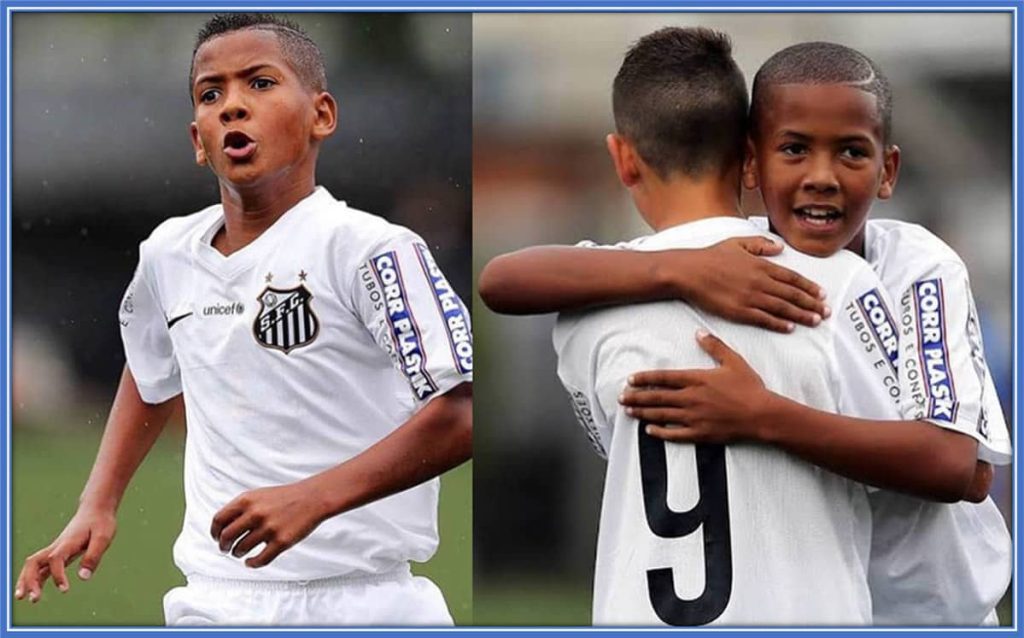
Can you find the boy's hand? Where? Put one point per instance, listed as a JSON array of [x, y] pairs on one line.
[[278, 516], [89, 532], [730, 280], [699, 406]]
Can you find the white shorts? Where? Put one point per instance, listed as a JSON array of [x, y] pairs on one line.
[[396, 598]]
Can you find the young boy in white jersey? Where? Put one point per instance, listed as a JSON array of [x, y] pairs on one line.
[[747, 565], [324, 393], [820, 121]]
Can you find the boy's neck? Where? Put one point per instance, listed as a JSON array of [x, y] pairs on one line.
[[680, 199], [249, 212]]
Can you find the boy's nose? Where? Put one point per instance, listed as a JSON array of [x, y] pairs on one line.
[[820, 176], [233, 110]]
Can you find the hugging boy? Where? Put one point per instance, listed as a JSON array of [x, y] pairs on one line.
[[821, 152], [706, 534], [321, 409]]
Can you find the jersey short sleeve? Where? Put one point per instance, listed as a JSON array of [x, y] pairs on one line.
[[622, 245], [415, 315], [577, 370], [146, 337], [944, 375], [866, 350]]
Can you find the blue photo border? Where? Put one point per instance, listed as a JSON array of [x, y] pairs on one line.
[[8, 7]]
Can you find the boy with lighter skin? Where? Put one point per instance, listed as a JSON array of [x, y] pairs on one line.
[[820, 152], [317, 422]]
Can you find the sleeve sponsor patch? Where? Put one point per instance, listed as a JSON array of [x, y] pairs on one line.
[[124, 315], [407, 337], [869, 319], [585, 417], [456, 322], [882, 326], [933, 354], [373, 292]]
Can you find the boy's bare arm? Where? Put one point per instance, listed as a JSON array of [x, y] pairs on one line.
[[132, 428], [544, 279], [434, 440], [730, 403], [727, 279], [981, 483]]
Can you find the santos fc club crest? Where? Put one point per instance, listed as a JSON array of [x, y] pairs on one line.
[[285, 320]]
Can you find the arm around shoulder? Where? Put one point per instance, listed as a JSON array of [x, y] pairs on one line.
[[543, 279], [728, 279]]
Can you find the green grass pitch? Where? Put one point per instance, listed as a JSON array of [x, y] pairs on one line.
[[49, 470]]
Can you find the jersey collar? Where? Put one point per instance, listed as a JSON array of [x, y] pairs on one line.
[[700, 233], [241, 260]]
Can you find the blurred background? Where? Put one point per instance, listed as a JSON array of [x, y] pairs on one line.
[[101, 156], [542, 105]]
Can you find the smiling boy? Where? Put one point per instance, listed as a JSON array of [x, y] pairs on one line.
[[821, 154], [325, 392], [821, 120]]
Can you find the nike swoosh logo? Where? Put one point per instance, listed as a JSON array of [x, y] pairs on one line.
[[171, 322]]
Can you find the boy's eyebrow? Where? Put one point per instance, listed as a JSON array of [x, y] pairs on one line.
[[796, 134], [854, 138], [217, 77], [857, 137]]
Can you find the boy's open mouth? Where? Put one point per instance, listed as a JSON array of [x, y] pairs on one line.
[[817, 216], [239, 146]]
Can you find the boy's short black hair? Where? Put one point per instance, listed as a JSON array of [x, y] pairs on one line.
[[682, 101], [297, 47], [824, 63]]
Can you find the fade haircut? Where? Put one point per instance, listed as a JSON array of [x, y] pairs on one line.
[[682, 101], [823, 63], [298, 49]]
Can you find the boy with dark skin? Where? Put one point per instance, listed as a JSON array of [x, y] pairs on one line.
[[816, 137], [820, 154], [261, 114]]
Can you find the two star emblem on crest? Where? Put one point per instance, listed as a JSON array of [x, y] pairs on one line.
[[269, 277]]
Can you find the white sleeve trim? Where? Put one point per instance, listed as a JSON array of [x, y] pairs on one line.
[[990, 452], [154, 393]]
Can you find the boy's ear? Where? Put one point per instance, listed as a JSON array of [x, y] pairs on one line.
[[749, 166], [197, 144], [625, 159], [326, 116], [890, 171]]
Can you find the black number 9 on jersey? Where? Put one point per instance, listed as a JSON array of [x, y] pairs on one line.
[[711, 511]]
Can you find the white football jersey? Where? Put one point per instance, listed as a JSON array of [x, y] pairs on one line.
[[935, 563], [741, 534], [294, 354], [945, 378], [942, 358]]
